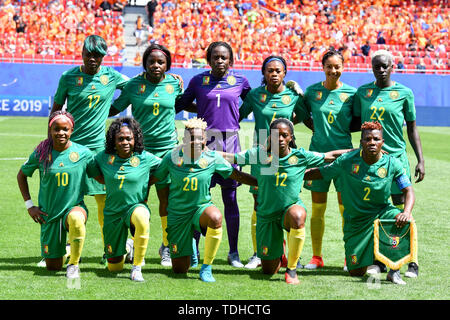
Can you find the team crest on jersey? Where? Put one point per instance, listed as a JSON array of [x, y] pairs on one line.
[[203, 163], [343, 97], [79, 81], [355, 168], [263, 97], [134, 161], [141, 88], [205, 80], [309, 183], [231, 80], [286, 99], [354, 259], [369, 93], [381, 172], [395, 241], [393, 95], [46, 248], [74, 156], [169, 89], [174, 248], [111, 159], [293, 160], [104, 79], [109, 248], [318, 95], [265, 250]]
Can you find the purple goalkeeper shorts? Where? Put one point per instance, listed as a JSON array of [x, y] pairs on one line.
[[225, 142]]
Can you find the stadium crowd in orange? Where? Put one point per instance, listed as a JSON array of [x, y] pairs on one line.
[[299, 30], [55, 27]]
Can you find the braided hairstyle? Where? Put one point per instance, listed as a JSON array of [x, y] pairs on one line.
[[113, 130], [289, 124], [45, 147]]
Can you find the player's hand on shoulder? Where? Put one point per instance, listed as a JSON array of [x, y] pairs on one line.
[[294, 86]]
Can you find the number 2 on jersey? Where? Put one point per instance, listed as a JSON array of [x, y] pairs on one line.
[[374, 115], [367, 191]]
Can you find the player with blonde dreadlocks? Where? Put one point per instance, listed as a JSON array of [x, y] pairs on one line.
[[190, 167]]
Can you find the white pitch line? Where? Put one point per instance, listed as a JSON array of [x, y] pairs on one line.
[[9, 159]]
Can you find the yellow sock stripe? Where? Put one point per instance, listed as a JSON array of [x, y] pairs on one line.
[[295, 246], [116, 267], [164, 232], [317, 226], [77, 235], [253, 230], [212, 242], [140, 219]]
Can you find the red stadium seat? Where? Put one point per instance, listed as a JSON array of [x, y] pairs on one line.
[[7, 57]]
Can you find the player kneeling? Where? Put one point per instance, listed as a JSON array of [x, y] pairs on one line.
[[367, 176]]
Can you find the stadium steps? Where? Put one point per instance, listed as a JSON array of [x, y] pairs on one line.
[[130, 15]]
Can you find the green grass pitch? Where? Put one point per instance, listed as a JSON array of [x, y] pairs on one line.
[[21, 278]]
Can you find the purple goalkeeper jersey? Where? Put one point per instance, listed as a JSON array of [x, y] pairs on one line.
[[217, 99]]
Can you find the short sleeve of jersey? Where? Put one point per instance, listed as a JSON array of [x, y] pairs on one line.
[[61, 91], [92, 169], [300, 110], [187, 97], [245, 88], [332, 170], [400, 177], [314, 159], [121, 79], [246, 157], [246, 107], [357, 105], [162, 171], [30, 165], [409, 108], [156, 163], [123, 101], [222, 166]]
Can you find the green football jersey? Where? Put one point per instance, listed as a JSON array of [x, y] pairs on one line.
[[267, 106], [190, 182], [126, 180], [153, 106], [366, 189], [279, 179], [62, 185], [89, 99], [390, 106], [331, 111]]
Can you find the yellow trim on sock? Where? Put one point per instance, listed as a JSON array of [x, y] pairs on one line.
[[212, 242], [116, 267], [77, 235], [140, 218], [253, 230], [295, 246], [164, 231], [100, 199], [317, 227]]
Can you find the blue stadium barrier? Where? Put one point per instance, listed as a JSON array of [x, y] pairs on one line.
[[28, 89]]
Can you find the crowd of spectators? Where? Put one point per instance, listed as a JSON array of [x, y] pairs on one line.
[[302, 30], [58, 27], [299, 30]]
